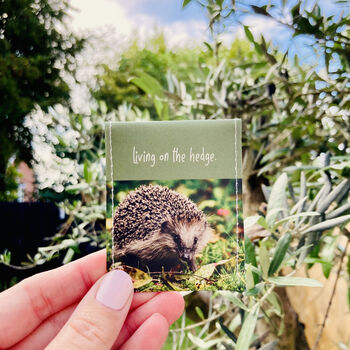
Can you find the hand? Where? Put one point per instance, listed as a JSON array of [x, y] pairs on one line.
[[78, 306]]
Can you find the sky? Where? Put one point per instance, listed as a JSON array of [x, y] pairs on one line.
[[121, 20]]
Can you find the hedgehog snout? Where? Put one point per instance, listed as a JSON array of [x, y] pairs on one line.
[[187, 256]]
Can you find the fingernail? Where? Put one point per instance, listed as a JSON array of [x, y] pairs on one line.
[[115, 289]]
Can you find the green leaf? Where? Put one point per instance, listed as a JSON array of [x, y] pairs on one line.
[[296, 216], [201, 344], [249, 276], [249, 34], [280, 252], [337, 192], [148, 84], [205, 271], [277, 199], [326, 225], [326, 265], [69, 256], [247, 330], [231, 296], [326, 269], [208, 46], [264, 260], [274, 154], [87, 174], [256, 219], [199, 312], [273, 299], [250, 257], [185, 3], [294, 281], [250, 252]]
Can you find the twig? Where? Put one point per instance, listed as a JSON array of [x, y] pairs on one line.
[[19, 267], [332, 295], [214, 317]]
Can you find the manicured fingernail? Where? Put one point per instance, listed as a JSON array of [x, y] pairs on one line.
[[115, 289]]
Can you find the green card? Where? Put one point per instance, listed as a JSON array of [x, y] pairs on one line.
[[174, 204]]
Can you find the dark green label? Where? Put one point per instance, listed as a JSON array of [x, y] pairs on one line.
[[174, 150]]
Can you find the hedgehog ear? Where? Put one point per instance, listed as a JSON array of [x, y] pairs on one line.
[[166, 227]]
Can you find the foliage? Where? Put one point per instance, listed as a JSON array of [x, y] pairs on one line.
[[290, 111], [154, 61], [284, 247], [33, 54], [11, 184]]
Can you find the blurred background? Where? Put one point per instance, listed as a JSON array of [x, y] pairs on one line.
[[67, 67]]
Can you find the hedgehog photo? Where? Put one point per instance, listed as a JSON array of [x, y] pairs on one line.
[[156, 229]]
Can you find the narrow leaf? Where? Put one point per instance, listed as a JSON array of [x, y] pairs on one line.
[[338, 191], [296, 216], [247, 330], [185, 3], [278, 198], [201, 344], [338, 211], [264, 261], [280, 252], [250, 252], [249, 34], [249, 277], [294, 281], [227, 331], [325, 225], [199, 312], [303, 196], [250, 257], [230, 296]]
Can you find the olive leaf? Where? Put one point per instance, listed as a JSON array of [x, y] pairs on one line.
[[325, 225], [227, 331], [280, 252], [232, 297], [294, 281], [337, 192], [250, 256], [247, 330], [264, 261], [335, 213], [277, 199]]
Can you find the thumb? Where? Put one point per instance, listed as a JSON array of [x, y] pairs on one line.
[[99, 317]]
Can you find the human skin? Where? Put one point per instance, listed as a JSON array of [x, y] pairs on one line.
[[80, 306]]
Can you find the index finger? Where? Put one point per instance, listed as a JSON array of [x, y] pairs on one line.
[[27, 304]]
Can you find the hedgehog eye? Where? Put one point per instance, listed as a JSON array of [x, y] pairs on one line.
[[177, 240], [195, 240]]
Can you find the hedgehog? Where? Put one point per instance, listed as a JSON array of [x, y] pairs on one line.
[[158, 229]]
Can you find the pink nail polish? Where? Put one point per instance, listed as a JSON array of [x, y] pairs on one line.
[[115, 289]]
